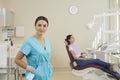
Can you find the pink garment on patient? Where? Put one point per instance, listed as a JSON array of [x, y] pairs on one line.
[[75, 49]]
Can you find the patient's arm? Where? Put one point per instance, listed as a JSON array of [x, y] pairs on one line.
[[77, 58]]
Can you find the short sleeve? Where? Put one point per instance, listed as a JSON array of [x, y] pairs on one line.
[[70, 48], [25, 48]]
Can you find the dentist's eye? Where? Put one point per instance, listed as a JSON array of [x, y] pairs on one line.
[[44, 25], [39, 25]]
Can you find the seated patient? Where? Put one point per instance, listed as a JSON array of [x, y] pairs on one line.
[[82, 61]]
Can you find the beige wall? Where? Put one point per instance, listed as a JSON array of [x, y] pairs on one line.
[[61, 22], [1, 3]]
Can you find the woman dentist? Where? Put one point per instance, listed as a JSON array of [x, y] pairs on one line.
[[37, 51]]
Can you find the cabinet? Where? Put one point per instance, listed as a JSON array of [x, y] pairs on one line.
[[4, 60], [7, 70]]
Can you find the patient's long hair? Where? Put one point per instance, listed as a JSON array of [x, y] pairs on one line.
[[67, 39]]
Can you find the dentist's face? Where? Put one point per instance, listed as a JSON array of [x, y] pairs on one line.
[[41, 27]]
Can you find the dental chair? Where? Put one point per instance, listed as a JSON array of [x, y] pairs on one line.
[[85, 71]]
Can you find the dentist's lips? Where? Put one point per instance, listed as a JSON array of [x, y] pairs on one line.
[[42, 31]]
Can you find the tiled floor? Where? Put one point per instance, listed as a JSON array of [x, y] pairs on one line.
[[66, 74], [63, 74]]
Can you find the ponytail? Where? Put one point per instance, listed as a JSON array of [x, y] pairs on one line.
[[67, 39]]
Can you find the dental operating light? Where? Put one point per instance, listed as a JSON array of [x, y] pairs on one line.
[[92, 23]]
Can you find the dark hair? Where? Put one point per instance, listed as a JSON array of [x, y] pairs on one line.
[[67, 39], [41, 18]]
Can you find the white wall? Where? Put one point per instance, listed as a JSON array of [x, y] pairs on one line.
[[61, 22]]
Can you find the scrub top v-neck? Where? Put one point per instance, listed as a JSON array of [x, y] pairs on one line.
[[38, 57]]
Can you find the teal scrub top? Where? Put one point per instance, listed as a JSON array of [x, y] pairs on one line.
[[38, 57]]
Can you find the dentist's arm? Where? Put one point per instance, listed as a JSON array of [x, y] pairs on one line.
[[21, 63]]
